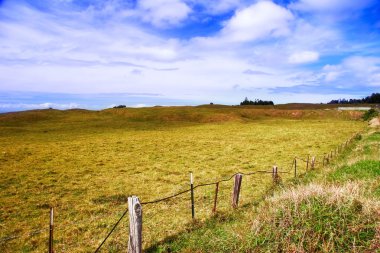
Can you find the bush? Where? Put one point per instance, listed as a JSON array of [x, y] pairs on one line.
[[120, 106], [371, 113]]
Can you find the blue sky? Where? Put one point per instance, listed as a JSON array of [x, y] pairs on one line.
[[99, 53]]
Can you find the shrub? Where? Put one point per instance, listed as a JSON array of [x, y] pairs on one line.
[[120, 106], [371, 113]]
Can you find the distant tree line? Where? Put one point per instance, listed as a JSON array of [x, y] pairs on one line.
[[373, 99], [120, 106], [256, 102]]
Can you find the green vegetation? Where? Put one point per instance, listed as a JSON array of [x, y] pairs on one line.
[[86, 163], [256, 102], [371, 113], [365, 169], [337, 212], [374, 98]]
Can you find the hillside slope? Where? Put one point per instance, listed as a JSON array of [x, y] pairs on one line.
[[86, 163], [335, 210]]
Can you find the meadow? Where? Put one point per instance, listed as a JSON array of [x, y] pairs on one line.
[[86, 164]]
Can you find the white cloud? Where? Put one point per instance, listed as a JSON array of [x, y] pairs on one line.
[[356, 70], [260, 20], [23, 106], [162, 13], [304, 57], [140, 105], [260, 47]]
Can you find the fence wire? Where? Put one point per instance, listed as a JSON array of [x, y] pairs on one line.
[[317, 162]]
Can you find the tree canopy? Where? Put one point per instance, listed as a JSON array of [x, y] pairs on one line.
[[373, 99], [256, 102]]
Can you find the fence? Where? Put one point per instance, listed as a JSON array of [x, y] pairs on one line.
[[135, 206]]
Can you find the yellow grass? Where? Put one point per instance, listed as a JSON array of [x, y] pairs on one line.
[[86, 164]]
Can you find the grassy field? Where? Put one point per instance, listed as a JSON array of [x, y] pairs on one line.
[[330, 210], [87, 163]]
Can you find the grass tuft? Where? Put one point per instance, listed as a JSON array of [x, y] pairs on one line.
[[316, 218]]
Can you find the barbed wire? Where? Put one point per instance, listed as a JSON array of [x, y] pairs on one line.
[[344, 145], [173, 196], [111, 231]]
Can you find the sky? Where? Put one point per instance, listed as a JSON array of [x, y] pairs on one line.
[[96, 54]]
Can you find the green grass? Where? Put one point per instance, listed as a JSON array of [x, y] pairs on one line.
[[361, 170], [86, 163], [331, 210]]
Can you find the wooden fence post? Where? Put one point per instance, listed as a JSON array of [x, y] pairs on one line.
[[216, 197], [135, 225], [307, 162], [51, 250], [323, 161], [312, 165], [236, 190], [295, 167], [274, 175], [192, 195]]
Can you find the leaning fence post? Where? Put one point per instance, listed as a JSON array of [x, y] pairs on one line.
[[236, 190], [216, 197], [295, 167], [312, 165], [51, 250], [192, 195], [135, 225]]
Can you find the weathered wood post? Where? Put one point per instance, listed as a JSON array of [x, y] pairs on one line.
[[192, 195], [216, 197], [51, 250], [295, 167], [312, 165], [307, 162], [331, 154], [323, 161], [135, 225], [236, 190], [274, 175]]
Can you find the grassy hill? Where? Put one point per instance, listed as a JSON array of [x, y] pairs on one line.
[[86, 164]]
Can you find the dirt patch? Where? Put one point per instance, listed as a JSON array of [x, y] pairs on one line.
[[375, 122]]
